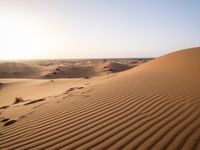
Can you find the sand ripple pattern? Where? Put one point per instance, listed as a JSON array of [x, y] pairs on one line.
[[137, 118]]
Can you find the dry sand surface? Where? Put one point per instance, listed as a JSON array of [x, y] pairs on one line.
[[104, 104]]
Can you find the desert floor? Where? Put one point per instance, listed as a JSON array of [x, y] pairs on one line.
[[102, 104]]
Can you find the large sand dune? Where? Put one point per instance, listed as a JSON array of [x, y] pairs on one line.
[[153, 106]]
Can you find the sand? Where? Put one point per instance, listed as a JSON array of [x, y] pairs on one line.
[[155, 105], [53, 69]]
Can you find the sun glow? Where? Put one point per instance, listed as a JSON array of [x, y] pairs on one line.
[[49, 29], [19, 39]]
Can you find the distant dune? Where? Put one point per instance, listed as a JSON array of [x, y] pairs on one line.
[[155, 105], [17, 70], [52, 69]]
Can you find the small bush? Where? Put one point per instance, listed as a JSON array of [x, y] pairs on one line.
[[18, 100]]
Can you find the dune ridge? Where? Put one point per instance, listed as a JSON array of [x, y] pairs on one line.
[[153, 106]]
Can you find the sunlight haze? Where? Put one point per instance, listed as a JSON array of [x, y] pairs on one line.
[[42, 29]]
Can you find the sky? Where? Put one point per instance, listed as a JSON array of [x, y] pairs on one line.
[[48, 29]]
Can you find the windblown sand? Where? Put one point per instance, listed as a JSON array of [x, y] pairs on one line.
[[155, 105]]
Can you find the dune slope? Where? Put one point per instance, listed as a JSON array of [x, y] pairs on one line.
[[153, 106], [17, 70]]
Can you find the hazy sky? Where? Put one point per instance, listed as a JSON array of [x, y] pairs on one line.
[[97, 28]]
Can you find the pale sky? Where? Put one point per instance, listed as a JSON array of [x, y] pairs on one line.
[[37, 29]]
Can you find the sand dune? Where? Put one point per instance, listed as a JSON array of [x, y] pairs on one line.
[[53, 69], [72, 72], [33, 89], [17, 70], [153, 106], [88, 70], [116, 67]]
